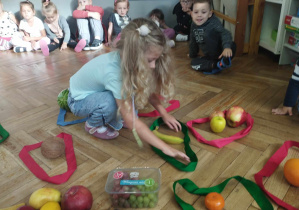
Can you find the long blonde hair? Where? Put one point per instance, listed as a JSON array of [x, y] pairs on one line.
[[138, 79]]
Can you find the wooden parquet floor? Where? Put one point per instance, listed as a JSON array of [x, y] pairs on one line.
[[30, 83]]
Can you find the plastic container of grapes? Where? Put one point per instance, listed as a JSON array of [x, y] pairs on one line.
[[134, 187]]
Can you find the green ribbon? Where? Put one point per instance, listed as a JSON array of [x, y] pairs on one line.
[[189, 152], [3, 133], [250, 186]]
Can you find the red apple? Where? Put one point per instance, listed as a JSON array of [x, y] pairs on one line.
[[236, 116], [77, 197], [216, 113], [25, 208], [217, 124]]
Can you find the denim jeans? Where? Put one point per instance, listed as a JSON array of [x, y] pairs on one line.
[[89, 28], [100, 108]]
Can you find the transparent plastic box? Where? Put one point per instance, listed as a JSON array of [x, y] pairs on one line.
[[134, 187]]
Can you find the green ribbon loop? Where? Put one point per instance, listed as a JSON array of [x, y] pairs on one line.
[[3, 133], [189, 152], [250, 186]]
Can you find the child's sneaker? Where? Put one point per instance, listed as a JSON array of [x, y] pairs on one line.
[[101, 132], [171, 43], [96, 44], [44, 47], [200, 64], [225, 62], [19, 49], [81, 44], [181, 38], [87, 47]]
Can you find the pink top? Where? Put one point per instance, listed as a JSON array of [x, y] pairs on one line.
[[79, 14]]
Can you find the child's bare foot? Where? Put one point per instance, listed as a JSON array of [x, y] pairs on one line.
[[283, 111]]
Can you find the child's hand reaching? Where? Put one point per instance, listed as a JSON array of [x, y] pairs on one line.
[[176, 154], [63, 46], [171, 122], [227, 52], [283, 111]]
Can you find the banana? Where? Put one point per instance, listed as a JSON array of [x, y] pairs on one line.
[[168, 138], [15, 207]]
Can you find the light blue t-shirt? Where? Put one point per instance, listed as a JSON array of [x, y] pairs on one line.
[[100, 74]]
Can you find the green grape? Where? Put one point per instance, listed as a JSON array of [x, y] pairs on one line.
[[140, 199], [146, 200], [155, 199], [155, 186], [132, 198], [139, 187], [152, 204], [151, 196], [134, 205], [145, 205], [140, 205]]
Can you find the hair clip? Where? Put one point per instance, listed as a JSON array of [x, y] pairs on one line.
[[143, 30]]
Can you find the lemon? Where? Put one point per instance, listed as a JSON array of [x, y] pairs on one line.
[[51, 206]]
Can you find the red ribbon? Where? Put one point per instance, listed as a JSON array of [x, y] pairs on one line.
[[174, 104], [39, 172], [269, 169], [223, 141]]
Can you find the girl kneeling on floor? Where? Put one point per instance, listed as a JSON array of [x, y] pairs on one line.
[[136, 73]]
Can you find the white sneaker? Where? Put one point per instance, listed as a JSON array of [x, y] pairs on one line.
[[181, 38], [171, 43]]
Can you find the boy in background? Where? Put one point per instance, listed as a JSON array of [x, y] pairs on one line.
[[208, 35], [89, 22]]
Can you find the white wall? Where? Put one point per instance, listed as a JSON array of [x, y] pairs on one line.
[[138, 8]]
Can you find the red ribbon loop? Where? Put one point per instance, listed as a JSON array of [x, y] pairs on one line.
[[223, 141], [269, 169], [39, 172], [174, 104]]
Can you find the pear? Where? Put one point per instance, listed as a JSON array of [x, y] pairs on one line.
[[43, 195]]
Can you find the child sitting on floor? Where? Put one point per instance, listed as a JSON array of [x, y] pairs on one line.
[[8, 29], [158, 17], [291, 96], [208, 34], [182, 12], [118, 20], [89, 22], [34, 34], [58, 29]]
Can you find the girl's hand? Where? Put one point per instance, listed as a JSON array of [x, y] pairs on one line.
[[63, 46], [56, 40], [227, 52], [176, 154], [33, 44], [283, 111], [171, 122], [27, 38]]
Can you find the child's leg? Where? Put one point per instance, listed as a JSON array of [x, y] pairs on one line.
[[101, 110], [97, 29], [20, 45], [169, 33], [78, 47], [43, 45], [202, 64], [83, 29], [53, 45], [5, 44]]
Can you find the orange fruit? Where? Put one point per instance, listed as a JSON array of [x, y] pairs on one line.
[[291, 171], [214, 201]]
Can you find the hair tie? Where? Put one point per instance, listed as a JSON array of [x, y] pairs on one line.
[[143, 30]]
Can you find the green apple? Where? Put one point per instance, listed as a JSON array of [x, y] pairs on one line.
[[217, 124]]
